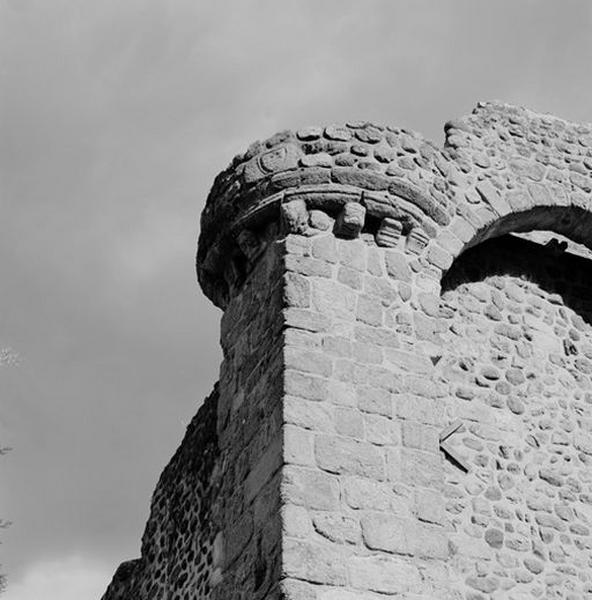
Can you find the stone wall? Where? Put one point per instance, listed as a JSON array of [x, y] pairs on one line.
[[500, 365], [214, 529], [517, 378], [404, 404], [363, 480]]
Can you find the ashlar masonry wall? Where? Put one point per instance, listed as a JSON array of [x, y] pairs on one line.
[[404, 404], [362, 422]]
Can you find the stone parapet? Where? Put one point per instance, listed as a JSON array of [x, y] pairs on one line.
[[501, 168]]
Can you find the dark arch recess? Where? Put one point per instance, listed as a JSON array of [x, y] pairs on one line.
[[572, 222], [554, 271]]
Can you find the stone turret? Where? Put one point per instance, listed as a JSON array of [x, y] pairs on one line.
[[405, 405]]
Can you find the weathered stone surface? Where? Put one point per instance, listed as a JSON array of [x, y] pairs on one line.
[[349, 457], [383, 575], [405, 402], [315, 489], [429, 506], [315, 563], [397, 266], [389, 232], [382, 531], [295, 216], [350, 221]]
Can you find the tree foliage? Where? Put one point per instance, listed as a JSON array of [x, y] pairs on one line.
[[8, 358]]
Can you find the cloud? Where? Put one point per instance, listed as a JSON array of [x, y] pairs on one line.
[[72, 578], [114, 119]]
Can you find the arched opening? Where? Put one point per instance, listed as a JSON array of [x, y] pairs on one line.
[[573, 222]]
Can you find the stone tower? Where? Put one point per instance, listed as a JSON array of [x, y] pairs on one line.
[[404, 407]]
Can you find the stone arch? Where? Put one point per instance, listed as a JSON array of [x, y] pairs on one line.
[[533, 173], [573, 222]]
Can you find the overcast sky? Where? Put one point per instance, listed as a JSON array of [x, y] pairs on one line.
[[115, 116]]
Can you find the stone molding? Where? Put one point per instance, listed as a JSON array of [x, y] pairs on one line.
[[501, 169]]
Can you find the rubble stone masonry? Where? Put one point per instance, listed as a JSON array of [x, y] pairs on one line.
[[405, 403]]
